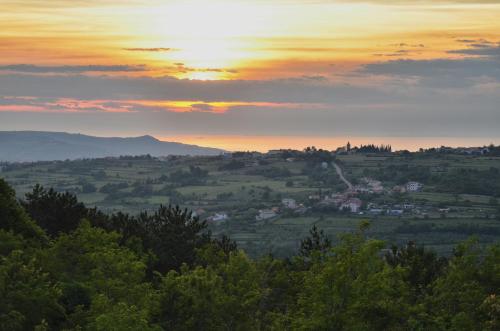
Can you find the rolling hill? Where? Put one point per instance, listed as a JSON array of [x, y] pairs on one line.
[[27, 146]]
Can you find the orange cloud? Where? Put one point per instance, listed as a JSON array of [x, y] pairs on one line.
[[127, 106], [213, 107], [22, 108]]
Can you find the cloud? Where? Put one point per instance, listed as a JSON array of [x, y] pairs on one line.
[[444, 116], [481, 65], [60, 105], [155, 49], [440, 73], [481, 48], [401, 52], [180, 67], [424, 2], [472, 41], [393, 2], [121, 3], [31, 68], [296, 90], [403, 105], [408, 45], [204, 107], [317, 78]]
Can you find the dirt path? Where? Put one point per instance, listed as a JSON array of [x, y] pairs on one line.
[[341, 175]]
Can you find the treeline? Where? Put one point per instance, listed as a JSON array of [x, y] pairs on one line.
[[464, 229], [455, 180], [371, 148], [64, 266], [471, 181]]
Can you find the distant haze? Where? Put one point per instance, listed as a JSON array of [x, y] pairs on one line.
[[265, 143]]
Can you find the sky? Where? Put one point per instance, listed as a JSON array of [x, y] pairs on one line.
[[254, 75]]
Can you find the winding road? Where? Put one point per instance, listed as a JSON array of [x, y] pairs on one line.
[[341, 175]]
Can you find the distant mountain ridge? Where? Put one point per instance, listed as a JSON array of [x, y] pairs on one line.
[[27, 146]]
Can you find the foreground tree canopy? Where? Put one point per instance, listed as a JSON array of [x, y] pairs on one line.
[[67, 267]]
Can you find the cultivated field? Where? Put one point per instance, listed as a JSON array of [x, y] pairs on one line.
[[458, 199]]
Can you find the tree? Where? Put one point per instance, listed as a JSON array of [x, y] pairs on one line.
[[28, 296], [351, 288], [422, 266], [54, 212], [96, 275], [14, 219], [316, 242], [222, 297], [173, 235], [460, 292], [225, 244], [109, 316]]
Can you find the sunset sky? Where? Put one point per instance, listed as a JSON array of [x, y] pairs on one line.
[[254, 74]]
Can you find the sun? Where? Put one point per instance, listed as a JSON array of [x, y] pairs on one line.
[[210, 37], [204, 75]]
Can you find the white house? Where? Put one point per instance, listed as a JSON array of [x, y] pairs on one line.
[[352, 204], [289, 203], [265, 214], [198, 212], [274, 152], [414, 187], [219, 217]]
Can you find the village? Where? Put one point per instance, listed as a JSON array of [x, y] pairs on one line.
[[356, 199], [256, 196], [341, 202]]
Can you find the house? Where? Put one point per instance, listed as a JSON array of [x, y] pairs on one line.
[[378, 188], [341, 150], [256, 154], [414, 187], [375, 185], [399, 189], [265, 214], [199, 212], [352, 204], [376, 211], [475, 150], [219, 217], [334, 199], [289, 203], [315, 197], [274, 152], [300, 210], [396, 212]]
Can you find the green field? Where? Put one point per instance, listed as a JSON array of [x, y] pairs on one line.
[[244, 185]]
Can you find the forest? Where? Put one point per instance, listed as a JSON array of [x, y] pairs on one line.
[[64, 266]]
